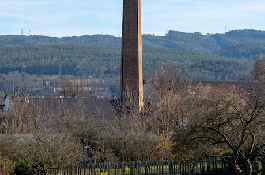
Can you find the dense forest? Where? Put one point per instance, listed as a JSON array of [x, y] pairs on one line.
[[228, 56], [243, 51], [101, 62], [210, 56], [195, 42]]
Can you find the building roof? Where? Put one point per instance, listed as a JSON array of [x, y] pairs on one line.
[[91, 106]]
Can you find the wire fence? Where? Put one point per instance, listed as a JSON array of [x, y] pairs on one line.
[[212, 166]]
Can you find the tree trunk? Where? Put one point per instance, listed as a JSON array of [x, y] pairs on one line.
[[236, 167], [248, 170], [249, 167]]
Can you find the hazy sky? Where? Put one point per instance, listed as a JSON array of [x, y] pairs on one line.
[[87, 17]]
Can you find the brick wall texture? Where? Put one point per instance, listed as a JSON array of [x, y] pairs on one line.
[[131, 59]]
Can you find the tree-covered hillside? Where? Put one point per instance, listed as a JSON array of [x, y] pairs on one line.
[[243, 51], [239, 37], [91, 40], [195, 42], [105, 61], [204, 56]]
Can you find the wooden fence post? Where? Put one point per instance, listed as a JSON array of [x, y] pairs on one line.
[[170, 168], [203, 166], [138, 168], [123, 169], [144, 168], [131, 167], [71, 170], [194, 167]]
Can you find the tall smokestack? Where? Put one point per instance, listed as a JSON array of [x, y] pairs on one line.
[[131, 86]]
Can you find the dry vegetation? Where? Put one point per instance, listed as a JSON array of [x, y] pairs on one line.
[[184, 121]]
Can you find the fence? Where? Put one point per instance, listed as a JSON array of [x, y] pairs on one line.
[[146, 168]]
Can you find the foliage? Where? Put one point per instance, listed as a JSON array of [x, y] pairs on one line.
[[99, 55], [258, 72], [165, 146], [104, 61], [195, 42], [6, 166], [73, 60], [29, 168], [239, 36], [243, 51], [88, 40]]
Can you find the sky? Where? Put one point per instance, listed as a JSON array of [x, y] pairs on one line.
[[88, 17]]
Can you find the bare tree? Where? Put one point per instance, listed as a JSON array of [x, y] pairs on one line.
[[170, 82], [170, 78], [68, 89], [36, 130], [225, 118]]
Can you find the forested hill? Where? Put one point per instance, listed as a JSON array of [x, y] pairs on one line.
[[91, 40], [207, 57], [105, 61], [195, 42], [243, 51]]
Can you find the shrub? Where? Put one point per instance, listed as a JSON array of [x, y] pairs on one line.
[[29, 168], [6, 166]]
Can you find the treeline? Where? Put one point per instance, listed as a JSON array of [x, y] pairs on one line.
[[204, 56], [95, 40], [105, 61], [209, 43], [243, 51], [239, 36], [195, 42], [56, 59]]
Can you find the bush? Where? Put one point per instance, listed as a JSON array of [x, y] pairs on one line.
[[29, 168], [6, 166]]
